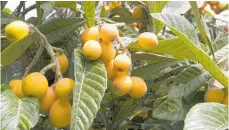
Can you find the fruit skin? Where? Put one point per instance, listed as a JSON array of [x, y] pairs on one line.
[[212, 3], [47, 101], [108, 52], [219, 8], [108, 32], [138, 12], [16, 30], [139, 87], [63, 62], [148, 40], [91, 33], [143, 114], [121, 85], [110, 70], [35, 84], [63, 87], [92, 50], [225, 101], [60, 113], [122, 62], [114, 4], [16, 86], [214, 94], [120, 73]]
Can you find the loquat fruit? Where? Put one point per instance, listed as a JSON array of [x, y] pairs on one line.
[[16, 30], [108, 32], [108, 52], [148, 40], [63, 62], [16, 86], [47, 101], [64, 86], [121, 85], [91, 33], [35, 84], [139, 87], [92, 50], [122, 62], [214, 94], [110, 70]]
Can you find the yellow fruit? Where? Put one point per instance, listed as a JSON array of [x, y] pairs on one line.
[[202, 11], [214, 95], [121, 85], [64, 86], [148, 40], [213, 3], [108, 32], [60, 113], [16, 30], [91, 33], [16, 86], [139, 87], [143, 114], [108, 52], [138, 12], [122, 62], [47, 101], [225, 101], [219, 8], [110, 70], [35, 84], [120, 73], [114, 4], [63, 62], [92, 50]]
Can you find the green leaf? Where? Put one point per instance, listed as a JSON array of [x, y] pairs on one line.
[[125, 110], [66, 4], [53, 30], [189, 74], [7, 18], [148, 70], [91, 83], [178, 51], [173, 110], [184, 90], [47, 5], [16, 49], [201, 26], [89, 9], [149, 56], [184, 30], [18, 114], [124, 13], [220, 43], [207, 116], [156, 7]]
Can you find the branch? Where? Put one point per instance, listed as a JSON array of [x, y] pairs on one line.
[[18, 9], [57, 49], [3, 4], [46, 68], [50, 51], [33, 63], [28, 9]]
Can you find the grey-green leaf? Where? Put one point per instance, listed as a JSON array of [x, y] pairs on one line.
[[18, 114], [173, 110], [89, 9], [90, 86], [7, 18], [187, 34], [207, 116], [185, 90]]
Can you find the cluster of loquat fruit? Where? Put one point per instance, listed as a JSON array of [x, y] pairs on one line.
[[53, 100], [97, 44], [216, 94]]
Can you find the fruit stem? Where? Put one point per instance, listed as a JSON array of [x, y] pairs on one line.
[[119, 24], [48, 67], [33, 63], [125, 50], [49, 49], [57, 49]]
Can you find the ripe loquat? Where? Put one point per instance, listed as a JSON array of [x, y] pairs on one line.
[[92, 50], [63, 62], [108, 32], [108, 52], [110, 70], [214, 94], [121, 85], [47, 101], [122, 62], [63, 87], [139, 87], [148, 40], [91, 33], [16, 86]]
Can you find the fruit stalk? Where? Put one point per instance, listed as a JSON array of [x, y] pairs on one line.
[[50, 51], [57, 49], [33, 63], [46, 68]]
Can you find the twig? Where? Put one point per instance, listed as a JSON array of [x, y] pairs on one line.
[[3, 4], [33, 63], [28, 9], [18, 9], [50, 51], [46, 68], [57, 49]]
